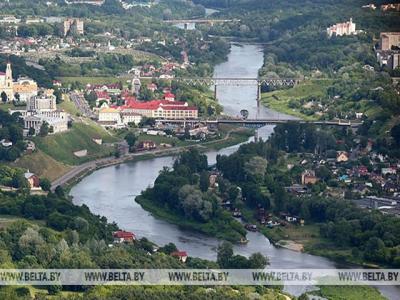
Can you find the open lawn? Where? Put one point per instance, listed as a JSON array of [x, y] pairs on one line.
[[68, 106], [279, 100], [92, 80], [42, 165], [61, 146], [174, 141], [307, 235]]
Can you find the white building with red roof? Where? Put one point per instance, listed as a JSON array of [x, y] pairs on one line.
[[122, 236], [181, 255], [163, 109]]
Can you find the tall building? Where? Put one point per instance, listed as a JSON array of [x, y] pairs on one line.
[[389, 39], [73, 25], [41, 103], [340, 29], [6, 83]]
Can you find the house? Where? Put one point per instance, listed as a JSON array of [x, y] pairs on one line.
[[122, 236], [30, 147], [360, 171], [360, 188], [345, 178], [181, 255], [169, 97], [102, 96], [390, 170], [152, 87], [289, 218], [146, 145], [342, 156], [308, 177], [33, 180], [390, 187], [6, 143], [57, 83], [213, 180]]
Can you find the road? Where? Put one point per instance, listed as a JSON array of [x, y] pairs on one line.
[[82, 105], [103, 162]]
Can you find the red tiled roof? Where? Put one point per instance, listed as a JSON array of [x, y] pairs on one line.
[[169, 95], [179, 253], [154, 104], [102, 94], [123, 234]]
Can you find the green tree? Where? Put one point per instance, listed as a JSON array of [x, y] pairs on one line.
[[204, 181], [45, 184], [224, 254], [258, 261], [44, 129], [31, 131], [130, 138], [4, 97]]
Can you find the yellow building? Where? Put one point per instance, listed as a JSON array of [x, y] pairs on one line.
[[25, 88]]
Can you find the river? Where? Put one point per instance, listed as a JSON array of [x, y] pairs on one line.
[[110, 192]]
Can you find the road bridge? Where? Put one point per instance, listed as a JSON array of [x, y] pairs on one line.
[[261, 122], [221, 81], [201, 21]]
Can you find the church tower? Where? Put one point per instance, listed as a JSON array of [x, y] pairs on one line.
[[9, 87]]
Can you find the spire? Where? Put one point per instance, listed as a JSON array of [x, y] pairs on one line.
[[8, 71]]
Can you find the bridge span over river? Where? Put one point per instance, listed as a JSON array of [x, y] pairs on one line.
[[260, 122]]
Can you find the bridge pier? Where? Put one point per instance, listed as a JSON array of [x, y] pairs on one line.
[[215, 92], [258, 94]]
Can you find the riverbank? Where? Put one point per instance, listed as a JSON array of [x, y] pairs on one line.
[[308, 239], [231, 137], [214, 228]]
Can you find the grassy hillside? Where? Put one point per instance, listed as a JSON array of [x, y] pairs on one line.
[[42, 165], [62, 146], [279, 100]]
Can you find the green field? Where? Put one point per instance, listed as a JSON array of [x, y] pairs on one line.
[[62, 145], [279, 100], [92, 80]]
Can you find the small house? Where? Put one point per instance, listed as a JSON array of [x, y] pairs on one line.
[[391, 171], [308, 177], [181, 255], [33, 180], [213, 180], [342, 156], [146, 145], [122, 236]]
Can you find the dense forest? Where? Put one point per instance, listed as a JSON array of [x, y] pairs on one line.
[[11, 131], [184, 191]]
